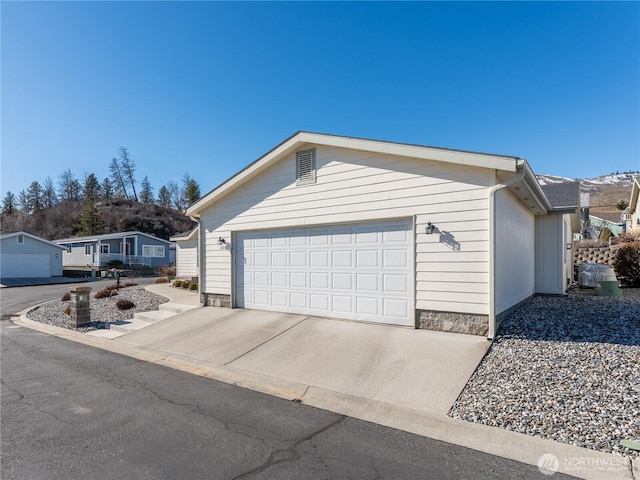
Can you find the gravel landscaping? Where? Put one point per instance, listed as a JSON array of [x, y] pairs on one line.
[[103, 310], [563, 368]]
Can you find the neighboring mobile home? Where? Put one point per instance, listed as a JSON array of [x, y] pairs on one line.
[[23, 255], [186, 253], [374, 231], [127, 248]]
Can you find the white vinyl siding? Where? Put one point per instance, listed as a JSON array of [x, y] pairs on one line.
[[357, 186], [153, 251], [186, 258], [515, 251]]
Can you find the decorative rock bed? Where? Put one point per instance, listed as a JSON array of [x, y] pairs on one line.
[[563, 368], [103, 310]]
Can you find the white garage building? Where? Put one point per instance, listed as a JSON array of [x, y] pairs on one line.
[[373, 231], [23, 255]]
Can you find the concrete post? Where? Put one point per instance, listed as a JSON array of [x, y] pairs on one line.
[[80, 313]]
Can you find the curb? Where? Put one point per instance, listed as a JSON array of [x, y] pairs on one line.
[[569, 459]]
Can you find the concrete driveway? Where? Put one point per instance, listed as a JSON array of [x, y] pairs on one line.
[[418, 369]]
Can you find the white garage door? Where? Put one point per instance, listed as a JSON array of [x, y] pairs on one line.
[[357, 271], [25, 265]]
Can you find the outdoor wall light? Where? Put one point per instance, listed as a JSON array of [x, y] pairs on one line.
[[221, 241], [430, 228]]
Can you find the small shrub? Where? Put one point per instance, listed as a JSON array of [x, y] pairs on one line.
[[169, 271], [177, 283], [124, 304], [116, 264], [589, 244], [129, 284], [67, 310], [627, 264], [629, 237], [106, 293], [185, 284], [112, 287], [66, 297], [193, 286], [162, 280]]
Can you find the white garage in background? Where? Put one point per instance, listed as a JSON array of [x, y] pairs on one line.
[[23, 255], [374, 231]]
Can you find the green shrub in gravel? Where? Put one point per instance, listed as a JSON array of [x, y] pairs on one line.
[[627, 264], [193, 286], [185, 284], [124, 304], [177, 283]]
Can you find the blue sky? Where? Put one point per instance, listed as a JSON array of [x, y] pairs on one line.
[[208, 87]]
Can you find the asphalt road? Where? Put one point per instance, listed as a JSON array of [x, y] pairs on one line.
[[16, 299], [69, 411]]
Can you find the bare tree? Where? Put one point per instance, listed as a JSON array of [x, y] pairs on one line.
[[66, 182], [49, 197], [117, 178], [128, 167]]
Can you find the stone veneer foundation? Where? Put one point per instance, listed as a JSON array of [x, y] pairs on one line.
[[468, 323], [215, 300]]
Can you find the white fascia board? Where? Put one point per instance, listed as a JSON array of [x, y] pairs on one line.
[[531, 182], [482, 160]]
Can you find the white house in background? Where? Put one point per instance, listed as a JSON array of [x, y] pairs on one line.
[[631, 215], [186, 253], [23, 255], [129, 248], [375, 231], [554, 238]]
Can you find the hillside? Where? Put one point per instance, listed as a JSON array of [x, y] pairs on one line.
[[60, 221], [604, 192]]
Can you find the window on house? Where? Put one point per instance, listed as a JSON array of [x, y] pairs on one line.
[[20, 239], [306, 167], [104, 248], [153, 251], [87, 249]]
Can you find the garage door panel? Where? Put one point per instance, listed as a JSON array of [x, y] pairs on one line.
[[23, 265], [359, 272]]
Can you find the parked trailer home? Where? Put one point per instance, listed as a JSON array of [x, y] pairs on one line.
[[373, 231], [130, 248]]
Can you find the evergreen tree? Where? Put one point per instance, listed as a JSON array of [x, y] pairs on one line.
[[91, 187], [106, 189], [9, 205], [190, 190], [89, 221], [146, 193], [34, 194], [164, 197]]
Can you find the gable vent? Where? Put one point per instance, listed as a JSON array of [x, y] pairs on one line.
[[306, 167]]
